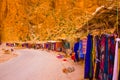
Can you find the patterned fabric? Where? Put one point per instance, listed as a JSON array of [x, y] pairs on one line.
[[84, 44], [105, 54], [97, 40], [111, 58], [81, 55], [102, 57]]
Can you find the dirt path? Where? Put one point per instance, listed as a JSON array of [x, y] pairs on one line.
[[38, 65], [5, 56]]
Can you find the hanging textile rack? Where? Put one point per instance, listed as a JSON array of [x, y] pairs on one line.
[[116, 68]]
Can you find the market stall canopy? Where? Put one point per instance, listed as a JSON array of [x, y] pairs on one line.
[[107, 19]]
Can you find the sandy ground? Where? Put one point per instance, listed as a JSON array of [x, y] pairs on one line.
[[4, 56], [33, 64]]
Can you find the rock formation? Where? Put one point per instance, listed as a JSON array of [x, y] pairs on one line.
[[23, 20]]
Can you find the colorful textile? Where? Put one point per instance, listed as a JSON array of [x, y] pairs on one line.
[[81, 55], [67, 45], [104, 48], [88, 57], [102, 57], [107, 48], [97, 40], [84, 45], [111, 58], [59, 56], [76, 48], [73, 57], [93, 58]]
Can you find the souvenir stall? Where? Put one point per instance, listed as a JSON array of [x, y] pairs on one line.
[[42, 45], [16, 44], [20, 44], [45, 45], [25, 45], [80, 49], [58, 46], [37, 45], [65, 46], [10, 44], [101, 57], [101, 60], [52, 45], [30, 44]]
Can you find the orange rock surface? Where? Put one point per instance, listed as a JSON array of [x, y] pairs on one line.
[[22, 20]]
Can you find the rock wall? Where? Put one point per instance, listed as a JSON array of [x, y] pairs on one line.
[[22, 20]]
